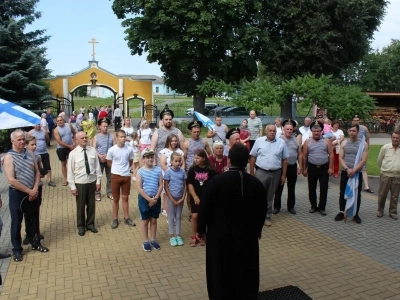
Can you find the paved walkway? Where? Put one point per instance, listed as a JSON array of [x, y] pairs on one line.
[[326, 259]]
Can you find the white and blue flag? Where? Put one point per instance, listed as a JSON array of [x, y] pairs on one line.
[[15, 116], [205, 120]]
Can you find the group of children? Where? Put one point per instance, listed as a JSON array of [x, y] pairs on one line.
[[176, 184]]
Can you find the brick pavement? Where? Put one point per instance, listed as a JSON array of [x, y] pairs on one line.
[[327, 260]]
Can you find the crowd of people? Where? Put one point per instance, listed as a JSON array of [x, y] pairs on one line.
[[170, 170]]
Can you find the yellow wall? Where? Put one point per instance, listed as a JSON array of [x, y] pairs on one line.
[[142, 88]]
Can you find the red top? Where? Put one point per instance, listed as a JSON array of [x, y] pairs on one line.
[[218, 165], [102, 114], [244, 134]]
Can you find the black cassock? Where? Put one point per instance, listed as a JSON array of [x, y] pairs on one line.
[[232, 213]]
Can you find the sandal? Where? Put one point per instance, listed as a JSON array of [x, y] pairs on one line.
[[65, 183], [110, 197], [98, 198], [193, 241], [40, 248], [202, 242], [17, 257]]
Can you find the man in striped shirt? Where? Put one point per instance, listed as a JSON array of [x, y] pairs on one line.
[[255, 127]]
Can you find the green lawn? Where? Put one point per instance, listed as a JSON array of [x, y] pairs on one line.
[[372, 166]]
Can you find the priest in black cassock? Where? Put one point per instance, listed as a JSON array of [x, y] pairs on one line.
[[231, 215]]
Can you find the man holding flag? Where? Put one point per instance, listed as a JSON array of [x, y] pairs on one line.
[[352, 157]]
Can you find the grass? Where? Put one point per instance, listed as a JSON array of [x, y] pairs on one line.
[[372, 166]]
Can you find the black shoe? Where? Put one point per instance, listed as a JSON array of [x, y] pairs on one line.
[[17, 257], [292, 211], [81, 232], [275, 211], [25, 241], [322, 212], [339, 216], [312, 210], [94, 230], [357, 219], [39, 237], [3, 256], [39, 247]]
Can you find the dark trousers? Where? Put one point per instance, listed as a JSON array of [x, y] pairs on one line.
[[251, 142], [315, 174], [15, 198], [343, 183], [291, 176], [85, 203], [33, 217], [117, 123], [108, 176]]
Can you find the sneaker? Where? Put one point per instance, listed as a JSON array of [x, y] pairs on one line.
[[268, 222], [129, 222], [133, 178], [357, 219], [339, 216], [155, 245], [173, 241], [114, 224], [179, 240], [51, 183], [394, 216], [322, 212], [164, 212], [146, 246], [312, 210], [379, 214]]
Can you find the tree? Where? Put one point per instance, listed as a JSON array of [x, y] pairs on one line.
[[378, 70], [193, 40], [342, 101], [222, 39], [22, 56]]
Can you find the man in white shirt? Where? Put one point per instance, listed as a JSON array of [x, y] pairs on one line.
[[83, 177], [117, 117], [120, 159], [305, 130]]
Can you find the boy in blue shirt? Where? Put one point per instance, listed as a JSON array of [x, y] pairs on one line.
[[149, 184]]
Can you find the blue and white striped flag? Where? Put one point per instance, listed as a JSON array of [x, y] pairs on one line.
[[351, 191], [205, 120]]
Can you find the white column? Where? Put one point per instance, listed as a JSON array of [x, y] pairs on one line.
[[65, 88]]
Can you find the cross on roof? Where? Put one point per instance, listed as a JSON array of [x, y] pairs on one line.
[[93, 41]]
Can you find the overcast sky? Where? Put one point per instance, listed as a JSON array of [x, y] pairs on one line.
[[72, 23]]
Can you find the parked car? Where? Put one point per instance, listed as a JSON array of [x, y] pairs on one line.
[[219, 109], [208, 107]]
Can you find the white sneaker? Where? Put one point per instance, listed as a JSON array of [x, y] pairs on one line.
[[164, 212], [133, 178]]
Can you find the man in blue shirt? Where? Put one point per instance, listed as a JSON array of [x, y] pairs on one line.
[[268, 162], [50, 124]]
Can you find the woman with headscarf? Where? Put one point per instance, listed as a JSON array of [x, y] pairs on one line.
[[78, 122], [72, 120]]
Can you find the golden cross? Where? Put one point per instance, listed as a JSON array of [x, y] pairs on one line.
[[93, 41]]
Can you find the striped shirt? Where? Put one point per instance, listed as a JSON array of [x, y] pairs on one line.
[[254, 126], [24, 167], [150, 180]]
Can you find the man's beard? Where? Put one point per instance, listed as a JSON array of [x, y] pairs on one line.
[[168, 125]]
